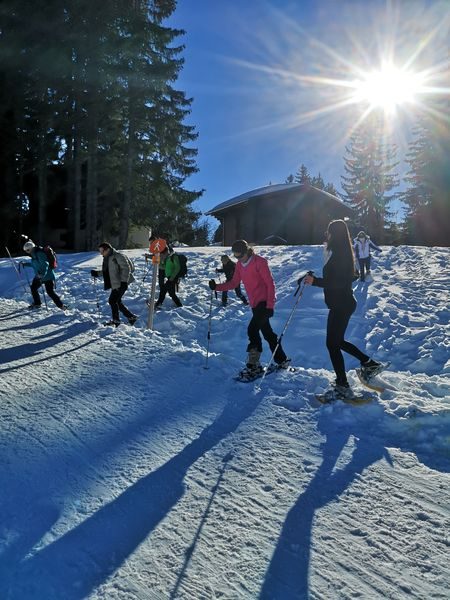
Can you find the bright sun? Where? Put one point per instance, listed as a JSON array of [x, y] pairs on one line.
[[388, 88]]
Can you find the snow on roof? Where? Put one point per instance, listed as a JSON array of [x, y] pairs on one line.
[[265, 191]]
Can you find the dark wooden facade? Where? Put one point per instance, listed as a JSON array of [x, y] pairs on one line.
[[296, 213]]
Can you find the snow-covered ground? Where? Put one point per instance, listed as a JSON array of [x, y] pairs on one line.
[[130, 471]]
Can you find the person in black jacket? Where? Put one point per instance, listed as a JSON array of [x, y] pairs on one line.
[[228, 267], [338, 275]]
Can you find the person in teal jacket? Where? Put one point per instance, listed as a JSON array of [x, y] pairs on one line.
[[172, 268], [44, 274]]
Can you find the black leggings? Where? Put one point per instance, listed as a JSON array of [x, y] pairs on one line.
[[115, 301], [169, 287], [49, 288], [260, 323], [337, 323]]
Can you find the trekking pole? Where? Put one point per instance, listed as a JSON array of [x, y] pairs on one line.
[[209, 330], [44, 296], [300, 288], [17, 270], [94, 283], [147, 270]]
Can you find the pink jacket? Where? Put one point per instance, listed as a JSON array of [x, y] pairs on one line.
[[258, 281]]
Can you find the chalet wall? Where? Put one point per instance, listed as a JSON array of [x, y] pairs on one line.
[[298, 216]]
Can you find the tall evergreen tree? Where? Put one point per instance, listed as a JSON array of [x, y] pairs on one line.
[[318, 182], [302, 175], [370, 175], [91, 102], [427, 196]]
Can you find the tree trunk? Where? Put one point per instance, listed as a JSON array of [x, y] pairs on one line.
[[128, 191], [42, 196]]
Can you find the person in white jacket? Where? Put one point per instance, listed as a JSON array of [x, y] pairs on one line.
[[362, 245]]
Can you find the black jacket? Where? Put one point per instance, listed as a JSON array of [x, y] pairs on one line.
[[228, 270], [337, 283]]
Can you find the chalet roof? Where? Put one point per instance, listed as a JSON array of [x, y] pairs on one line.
[[268, 190]]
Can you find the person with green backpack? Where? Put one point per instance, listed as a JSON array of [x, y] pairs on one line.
[[172, 274]]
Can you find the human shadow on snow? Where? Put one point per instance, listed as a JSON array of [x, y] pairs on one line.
[[31, 350], [79, 561], [287, 575]]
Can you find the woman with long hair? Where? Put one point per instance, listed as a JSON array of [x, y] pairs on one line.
[[254, 272], [338, 276]]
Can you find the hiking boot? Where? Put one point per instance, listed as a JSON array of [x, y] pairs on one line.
[[63, 307], [370, 369], [343, 392], [112, 323], [224, 303], [33, 306], [284, 364], [251, 372], [132, 320], [253, 358]]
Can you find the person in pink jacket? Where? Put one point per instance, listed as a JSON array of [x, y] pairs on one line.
[[254, 272]]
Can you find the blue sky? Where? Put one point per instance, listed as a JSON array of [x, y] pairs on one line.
[[248, 68]]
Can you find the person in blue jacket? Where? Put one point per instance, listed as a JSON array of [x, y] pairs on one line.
[[43, 275]]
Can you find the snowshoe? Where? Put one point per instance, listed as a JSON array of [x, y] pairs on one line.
[[34, 306], [112, 323], [250, 373], [345, 394], [285, 364]]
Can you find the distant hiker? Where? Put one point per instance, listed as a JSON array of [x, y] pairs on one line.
[[117, 275], [228, 268], [363, 244], [44, 274], [338, 276], [171, 277], [253, 270]]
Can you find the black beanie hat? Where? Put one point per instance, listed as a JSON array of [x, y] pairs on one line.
[[240, 247]]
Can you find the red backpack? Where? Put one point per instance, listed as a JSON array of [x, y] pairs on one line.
[[50, 256]]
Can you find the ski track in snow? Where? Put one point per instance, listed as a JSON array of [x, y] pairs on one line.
[[129, 471]]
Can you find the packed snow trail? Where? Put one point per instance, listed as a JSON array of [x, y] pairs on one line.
[[131, 472]]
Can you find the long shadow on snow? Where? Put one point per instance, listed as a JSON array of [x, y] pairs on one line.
[[30, 350], [79, 561], [287, 575]]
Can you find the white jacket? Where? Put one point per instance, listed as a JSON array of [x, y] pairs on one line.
[[362, 247]]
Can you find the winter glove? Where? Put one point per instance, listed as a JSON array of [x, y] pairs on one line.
[[123, 286], [218, 271], [269, 312], [212, 284], [94, 273]]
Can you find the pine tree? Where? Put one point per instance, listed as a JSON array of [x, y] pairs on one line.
[[302, 175], [331, 189], [427, 199], [318, 182], [370, 176]]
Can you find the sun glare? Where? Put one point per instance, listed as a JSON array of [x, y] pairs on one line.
[[388, 88]]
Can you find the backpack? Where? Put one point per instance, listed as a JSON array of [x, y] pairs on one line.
[[183, 265], [50, 256]]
